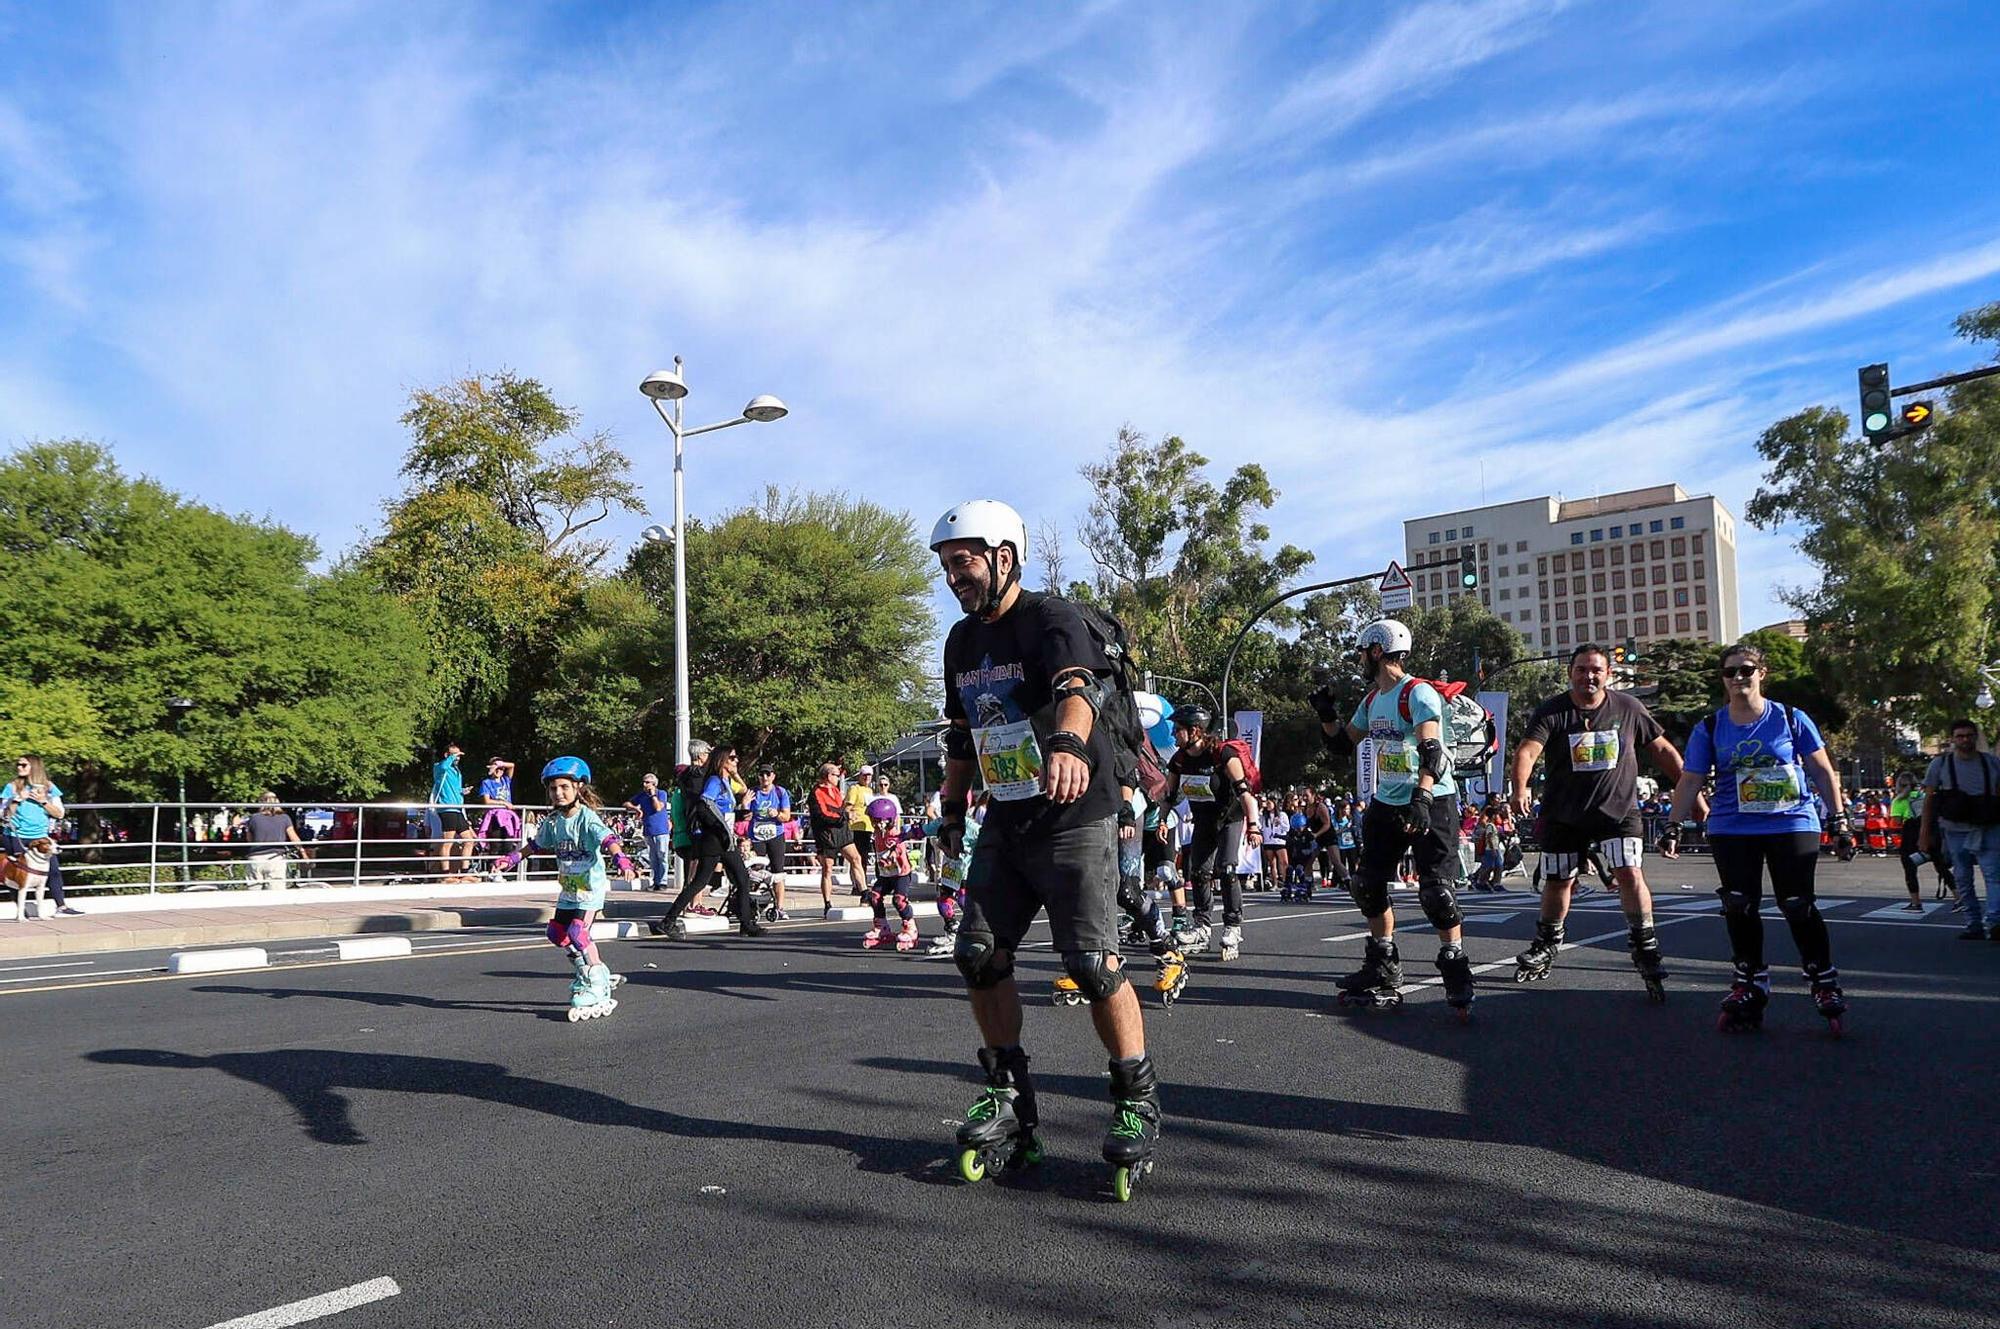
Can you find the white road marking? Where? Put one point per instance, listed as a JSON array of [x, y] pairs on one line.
[[314, 1308], [1346, 936], [45, 964], [1904, 912], [1509, 963], [1490, 918], [92, 973]]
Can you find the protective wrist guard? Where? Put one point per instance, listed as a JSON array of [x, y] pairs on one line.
[[1062, 740], [1417, 815], [1430, 757], [1127, 817], [1840, 824], [1324, 705], [958, 743], [1339, 742], [623, 865], [507, 862], [1670, 838]]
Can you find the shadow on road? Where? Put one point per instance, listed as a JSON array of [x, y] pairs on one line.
[[311, 1080]]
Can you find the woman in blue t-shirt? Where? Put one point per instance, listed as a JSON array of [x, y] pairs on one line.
[[1768, 760]]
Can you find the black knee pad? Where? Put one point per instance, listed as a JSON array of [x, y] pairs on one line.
[[1371, 897], [1130, 899], [1440, 905], [1094, 973], [982, 962], [1798, 907], [1740, 903]]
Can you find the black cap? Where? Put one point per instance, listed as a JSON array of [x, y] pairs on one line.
[[767, 769]]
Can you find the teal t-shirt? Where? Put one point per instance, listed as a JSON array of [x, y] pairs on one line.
[[30, 821], [1395, 742], [447, 784], [576, 840]]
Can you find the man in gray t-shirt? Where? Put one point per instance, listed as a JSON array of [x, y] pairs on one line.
[[271, 835], [1962, 795]]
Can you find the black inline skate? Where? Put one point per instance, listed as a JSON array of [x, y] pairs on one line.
[[1534, 964], [1378, 982], [1455, 967], [1135, 1124], [1744, 1007], [1645, 948], [999, 1131], [1827, 996]]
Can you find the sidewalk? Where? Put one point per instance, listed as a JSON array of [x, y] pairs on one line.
[[139, 923]]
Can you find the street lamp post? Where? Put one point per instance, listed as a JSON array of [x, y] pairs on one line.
[[1154, 674], [660, 387]]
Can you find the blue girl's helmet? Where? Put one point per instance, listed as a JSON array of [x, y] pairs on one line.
[[575, 768]]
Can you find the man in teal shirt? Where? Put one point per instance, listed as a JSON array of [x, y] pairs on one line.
[[1413, 809], [455, 833]]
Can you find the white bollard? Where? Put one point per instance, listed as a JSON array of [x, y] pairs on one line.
[[208, 962], [372, 948]]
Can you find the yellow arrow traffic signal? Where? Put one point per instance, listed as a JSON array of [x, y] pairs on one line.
[[1917, 414]]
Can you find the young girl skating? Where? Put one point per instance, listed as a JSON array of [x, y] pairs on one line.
[[893, 879], [582, 844]]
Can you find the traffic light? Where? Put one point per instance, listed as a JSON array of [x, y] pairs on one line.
[[1917, 416], [1875, 416], [1468, 573], [1628, 654]]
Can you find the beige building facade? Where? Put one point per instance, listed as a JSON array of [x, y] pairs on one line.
[[1642, 565]]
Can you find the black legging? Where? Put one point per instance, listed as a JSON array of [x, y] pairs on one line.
[[1907, 851], [1791, 858], [1212, 853], [713, 852]]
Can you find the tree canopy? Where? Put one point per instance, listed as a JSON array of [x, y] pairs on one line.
[[129, 595], [809, 638], [1905, 536]]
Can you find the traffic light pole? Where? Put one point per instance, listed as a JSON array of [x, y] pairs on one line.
[[1229, 664], [1947, 381]]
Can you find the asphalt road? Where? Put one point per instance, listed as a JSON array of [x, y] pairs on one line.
[[761, 1135]]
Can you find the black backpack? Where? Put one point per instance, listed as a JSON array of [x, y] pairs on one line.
[[1955, 804], [1119, 713]]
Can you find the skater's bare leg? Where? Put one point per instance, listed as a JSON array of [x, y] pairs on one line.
[[1383, 925], [856, 874], [826, 883], [1555, 898], [1634, 896], [997, 1011], [1120, 1027]]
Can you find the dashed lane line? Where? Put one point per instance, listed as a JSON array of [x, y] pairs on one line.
[[316, 1308]]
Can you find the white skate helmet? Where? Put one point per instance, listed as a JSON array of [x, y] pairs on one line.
[[987, 520], [1391, 636]]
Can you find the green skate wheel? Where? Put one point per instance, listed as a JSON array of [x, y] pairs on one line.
[[971, 1166], [1122, 1182]]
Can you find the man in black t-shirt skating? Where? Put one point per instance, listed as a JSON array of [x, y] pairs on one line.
[[1024, 677], [1590, 800]]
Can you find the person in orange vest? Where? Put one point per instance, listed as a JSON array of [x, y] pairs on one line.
[[1875, 825]]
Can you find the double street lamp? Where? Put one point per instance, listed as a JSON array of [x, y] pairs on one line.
[[663, 386]]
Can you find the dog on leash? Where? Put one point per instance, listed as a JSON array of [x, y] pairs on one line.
[[27, 875]]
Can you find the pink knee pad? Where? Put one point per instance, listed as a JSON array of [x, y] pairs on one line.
[[558, 934], [947, 906]]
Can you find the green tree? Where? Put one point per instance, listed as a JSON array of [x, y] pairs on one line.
[[1680, 679], [131, 594], [492, 545], [809, 634], [1182, 562], [1906, 540]]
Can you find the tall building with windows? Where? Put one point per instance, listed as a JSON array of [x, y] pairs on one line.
[[1643, 565]]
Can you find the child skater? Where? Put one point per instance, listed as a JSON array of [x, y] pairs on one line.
[[951, 880], [893, 878], [581, 843]]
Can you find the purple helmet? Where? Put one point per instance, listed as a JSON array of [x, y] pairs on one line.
[[882, 810]]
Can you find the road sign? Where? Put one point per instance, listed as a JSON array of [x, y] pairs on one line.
[[1395, 587]]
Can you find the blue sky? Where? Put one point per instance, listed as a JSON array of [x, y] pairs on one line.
[[1374, 247]]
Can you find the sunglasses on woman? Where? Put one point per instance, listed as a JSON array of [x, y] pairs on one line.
[[1739, 671]]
